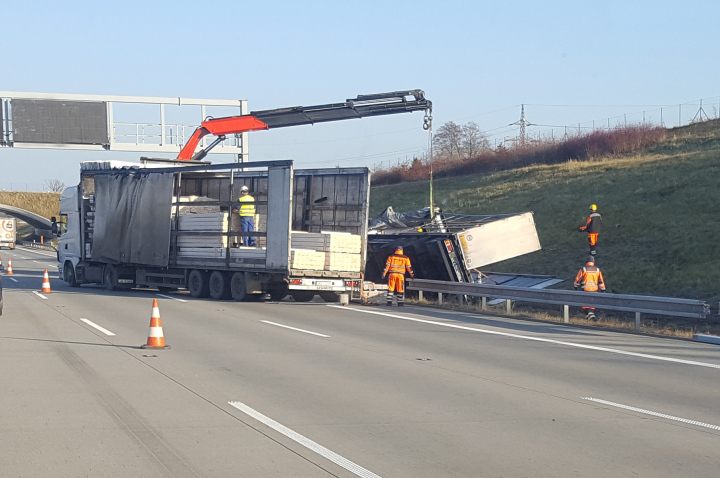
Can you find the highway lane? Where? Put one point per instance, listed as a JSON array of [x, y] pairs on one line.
[[394, 396]]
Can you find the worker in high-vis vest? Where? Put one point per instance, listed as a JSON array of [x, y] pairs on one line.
[[592, 227], [247, 215], [590, 278], [395, 268]]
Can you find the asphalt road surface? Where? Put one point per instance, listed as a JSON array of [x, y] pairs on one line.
[[316, 390]]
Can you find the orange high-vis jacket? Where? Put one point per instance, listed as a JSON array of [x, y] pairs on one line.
[[590, 278], [398, 264]]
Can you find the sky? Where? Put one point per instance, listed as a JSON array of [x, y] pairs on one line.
[[575, 65]]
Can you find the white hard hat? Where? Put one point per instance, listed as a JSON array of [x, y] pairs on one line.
[[244, 188]]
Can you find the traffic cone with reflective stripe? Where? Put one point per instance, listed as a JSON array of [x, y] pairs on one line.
[[1, 266], [155, 340], [9, 271], [46, 284]]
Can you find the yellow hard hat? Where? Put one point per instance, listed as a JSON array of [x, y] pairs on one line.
[[593, 207]]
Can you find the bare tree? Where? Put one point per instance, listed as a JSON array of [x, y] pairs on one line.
[[54, 186], [448, 138], [473, 140]]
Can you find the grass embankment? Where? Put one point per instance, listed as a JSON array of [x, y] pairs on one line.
[[660, 209], [42, 203]]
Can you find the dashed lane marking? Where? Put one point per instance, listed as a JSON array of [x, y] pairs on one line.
[[170, 297], [101, 329], [306, 442], [293, 328]]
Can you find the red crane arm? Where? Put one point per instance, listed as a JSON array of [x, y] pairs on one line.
[[364, 105]]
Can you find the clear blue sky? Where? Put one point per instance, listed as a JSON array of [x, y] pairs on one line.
[[569, 62]]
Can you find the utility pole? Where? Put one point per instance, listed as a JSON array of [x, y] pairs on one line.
[[523, 125], [700, 114]]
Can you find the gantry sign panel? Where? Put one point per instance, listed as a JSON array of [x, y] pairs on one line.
[[91, 122], [60, 122]]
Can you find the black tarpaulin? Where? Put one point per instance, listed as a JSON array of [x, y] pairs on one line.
[[390, 219], [132, 218]]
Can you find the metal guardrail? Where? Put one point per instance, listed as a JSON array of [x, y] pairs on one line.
[[629, 303], [44, 247]]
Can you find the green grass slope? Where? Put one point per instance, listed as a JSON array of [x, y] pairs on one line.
[[660, 207]]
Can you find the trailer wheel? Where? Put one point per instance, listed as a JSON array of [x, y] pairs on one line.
[[110, 277], [238, 286], [69, 275], [303, 295], [218, 286], [329, 297], [278, 293], [198, 284]]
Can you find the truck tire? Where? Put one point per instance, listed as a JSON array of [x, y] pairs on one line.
[[198, 284], [218, 285], [278, 293], [329, 297], [69, 275], [303, 295], [238, 286], [110, 277]]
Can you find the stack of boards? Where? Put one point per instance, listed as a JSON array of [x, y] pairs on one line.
[[330, 251]]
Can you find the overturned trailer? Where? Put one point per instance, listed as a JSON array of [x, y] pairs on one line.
[[449, 247]]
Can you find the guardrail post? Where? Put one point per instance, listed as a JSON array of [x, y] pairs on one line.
[[566, 314], [483, 302], [460, 300], [439, 298], [508, 305], [637, 320]]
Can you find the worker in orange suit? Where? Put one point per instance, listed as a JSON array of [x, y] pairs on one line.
[[396, 266], [590, 278], [592, 227]]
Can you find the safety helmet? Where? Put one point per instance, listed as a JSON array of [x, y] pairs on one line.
[[590, 261], [399, 250], [244, 189], [593, 207]]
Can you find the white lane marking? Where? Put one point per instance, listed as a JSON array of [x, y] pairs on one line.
[[293, 328], [538, 339], [37, 252], [306, 442], [655, 414], [104, 331], [170, 297], [39, 295], [13, 279]]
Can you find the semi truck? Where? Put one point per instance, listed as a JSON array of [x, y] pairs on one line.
[[130, 226], [8, 232], [168, 228]]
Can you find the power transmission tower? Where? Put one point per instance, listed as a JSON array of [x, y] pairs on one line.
[[700, 114], [523, 123]]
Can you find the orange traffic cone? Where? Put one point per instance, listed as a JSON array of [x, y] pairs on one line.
[[9, 271], [155, 340], [46, 284]]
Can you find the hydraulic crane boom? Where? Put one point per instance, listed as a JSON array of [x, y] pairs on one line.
[[363, 105]]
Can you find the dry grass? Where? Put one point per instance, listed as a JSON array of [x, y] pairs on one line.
[[43, 204]]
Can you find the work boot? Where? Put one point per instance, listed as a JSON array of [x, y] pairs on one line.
[[389, 304], [401, 304]]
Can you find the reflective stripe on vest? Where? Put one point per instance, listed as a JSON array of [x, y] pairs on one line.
[[247, 209]]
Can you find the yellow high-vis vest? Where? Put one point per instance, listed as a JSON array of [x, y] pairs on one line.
[[247, 209]]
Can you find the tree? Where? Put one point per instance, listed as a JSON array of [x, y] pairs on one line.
[[54, 185], [448, 138], [473, 140]]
